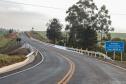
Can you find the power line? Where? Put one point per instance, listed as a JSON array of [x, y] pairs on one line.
[[34, 5], [118, 13]]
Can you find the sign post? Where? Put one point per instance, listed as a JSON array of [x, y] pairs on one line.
[[115, 46], [121, 56], [106, 53], [114, 56]]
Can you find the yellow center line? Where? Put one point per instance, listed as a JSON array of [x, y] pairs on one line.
[[70, 73]]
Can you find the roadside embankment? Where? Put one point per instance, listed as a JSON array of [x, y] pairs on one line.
[[6, 60], [12, 55], [29, 58]]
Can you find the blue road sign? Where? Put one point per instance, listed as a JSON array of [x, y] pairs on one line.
[[117, 46]]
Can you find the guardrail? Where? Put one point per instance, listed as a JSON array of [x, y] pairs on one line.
[[91, 53], [28, 46]]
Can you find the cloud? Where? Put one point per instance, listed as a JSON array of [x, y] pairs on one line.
[[4, 6], [23, 20], [25, 17]]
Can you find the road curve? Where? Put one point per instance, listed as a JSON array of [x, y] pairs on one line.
[[64, 67], [70, 73]]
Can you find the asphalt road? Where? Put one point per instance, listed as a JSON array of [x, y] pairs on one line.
[[60, 67]]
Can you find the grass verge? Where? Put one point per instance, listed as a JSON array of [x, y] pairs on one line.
[[8, 60], [38, 35], [3, 41]]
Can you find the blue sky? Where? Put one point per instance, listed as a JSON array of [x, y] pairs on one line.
[[24, 17]]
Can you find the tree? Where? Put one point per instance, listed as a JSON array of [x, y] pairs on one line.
[[103, 21], [54, 28], [87, 38], [117, 39], [107, 37], [11, 30], [33, 29], [81, 18]]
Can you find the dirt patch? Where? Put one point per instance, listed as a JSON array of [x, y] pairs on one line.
[[20, 51], [9, 48], [12, 35]]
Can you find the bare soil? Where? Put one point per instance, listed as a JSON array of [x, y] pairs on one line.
[[20, 51]]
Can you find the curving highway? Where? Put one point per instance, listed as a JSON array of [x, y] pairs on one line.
[[56, 66]]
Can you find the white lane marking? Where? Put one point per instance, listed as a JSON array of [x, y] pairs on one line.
[[25, 69]]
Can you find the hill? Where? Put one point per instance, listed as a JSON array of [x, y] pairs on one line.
[[113, 35], [118, 35]]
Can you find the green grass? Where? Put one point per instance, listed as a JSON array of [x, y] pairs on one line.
[[114, 35], [118, 35], [7, 60], [3, 41], [42, 33], [3, 33], [6, 43]]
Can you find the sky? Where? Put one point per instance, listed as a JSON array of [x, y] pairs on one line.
[[36, 13]]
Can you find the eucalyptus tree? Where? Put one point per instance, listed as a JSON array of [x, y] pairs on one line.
[[81, 18], [104, 21]]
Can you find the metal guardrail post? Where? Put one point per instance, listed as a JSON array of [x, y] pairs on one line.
[[95, 54], [91, 53], [88, 53]]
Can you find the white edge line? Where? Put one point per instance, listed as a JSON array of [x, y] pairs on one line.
[[112, 64], [25, 69], [107, 63]]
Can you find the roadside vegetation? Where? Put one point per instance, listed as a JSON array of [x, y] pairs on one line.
[[42, 33], [13, 56], [8, 41], [10, 51], [7, 60], [3, 42], [37, 35], [112, 35]]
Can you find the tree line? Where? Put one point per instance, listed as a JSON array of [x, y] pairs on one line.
[[84, 22]]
